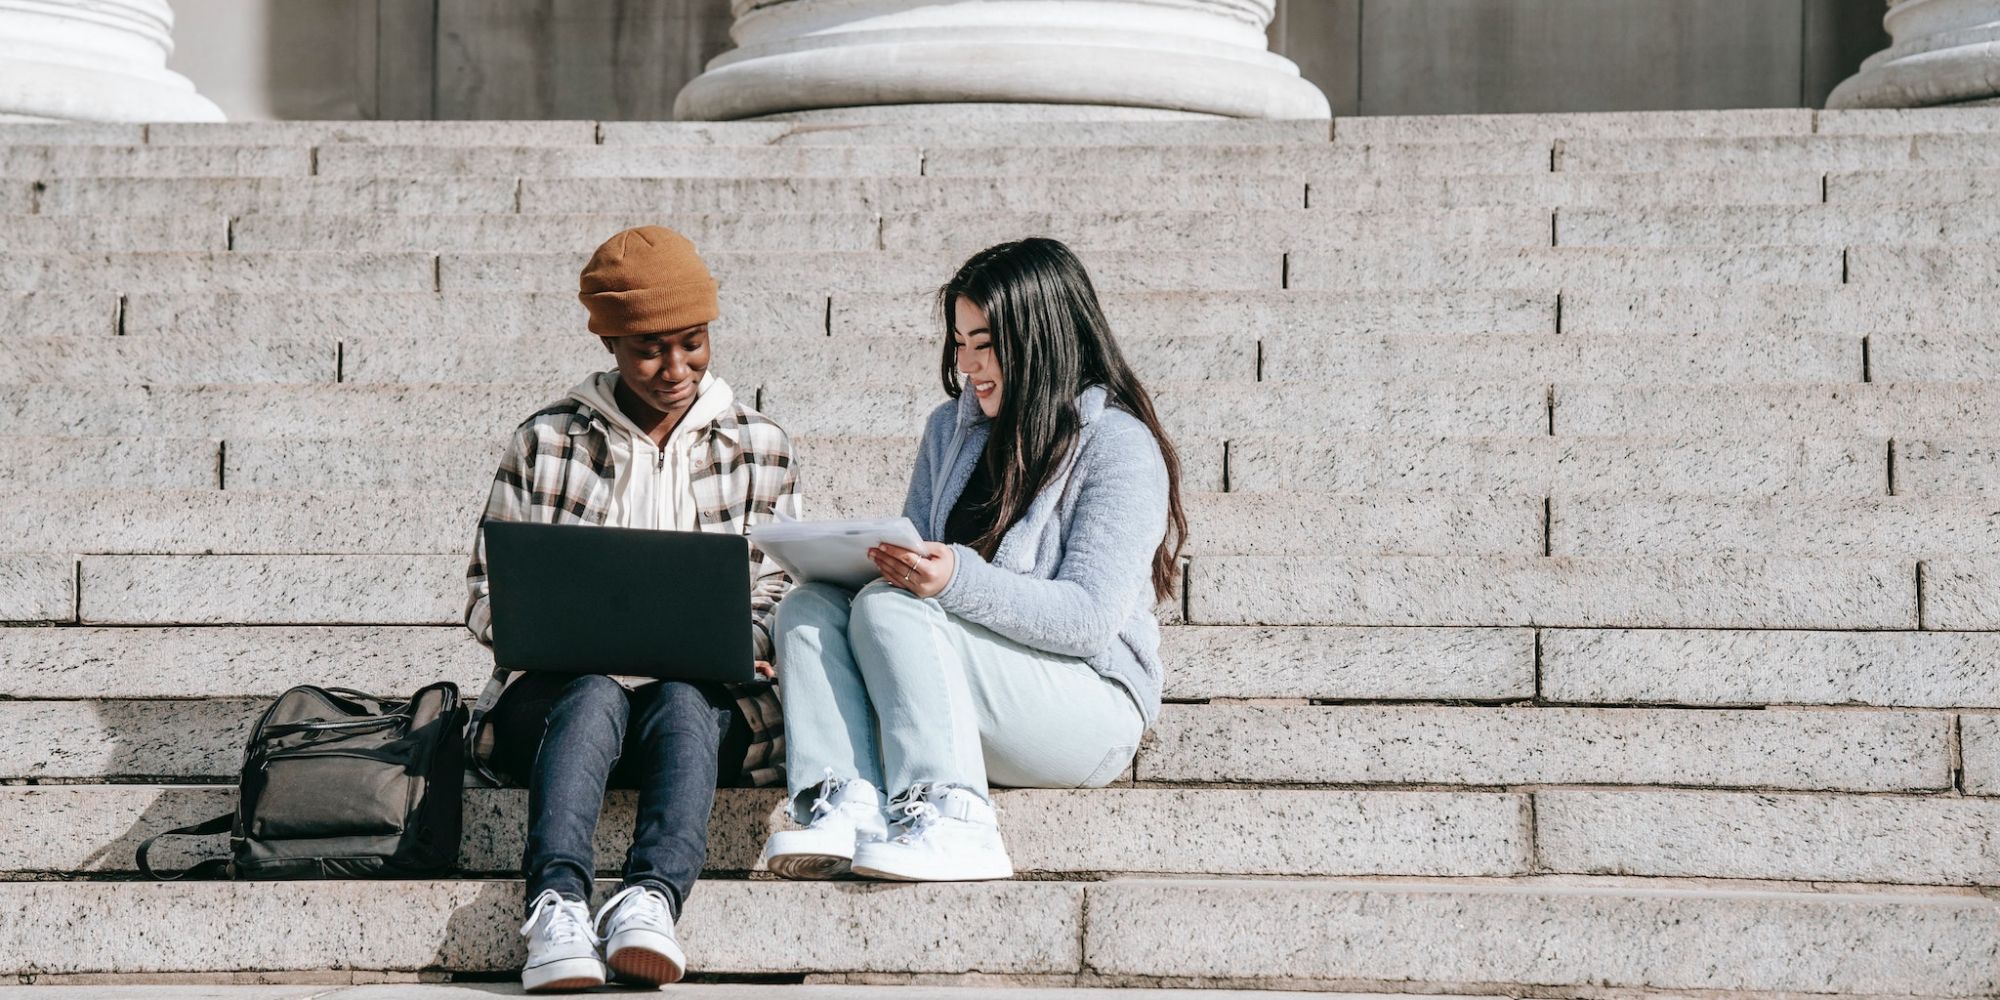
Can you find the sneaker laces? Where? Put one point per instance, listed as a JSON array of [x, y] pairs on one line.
[[919, 813], [823, 806], [569, 924], [647, 905]]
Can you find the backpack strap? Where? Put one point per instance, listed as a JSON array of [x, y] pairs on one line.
[[476, 722], [204, 869]]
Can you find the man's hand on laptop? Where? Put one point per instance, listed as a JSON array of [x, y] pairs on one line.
[[766, 671]]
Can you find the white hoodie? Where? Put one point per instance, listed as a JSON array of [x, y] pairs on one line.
[[653, 487]]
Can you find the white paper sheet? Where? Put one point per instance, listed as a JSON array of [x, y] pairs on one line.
[[833, 551]]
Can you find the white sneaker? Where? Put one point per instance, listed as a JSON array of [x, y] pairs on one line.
[[562, 953], [637, 927], [846, 814], [947, 835]]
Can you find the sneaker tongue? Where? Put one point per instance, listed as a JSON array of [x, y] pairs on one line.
[[855, 790]]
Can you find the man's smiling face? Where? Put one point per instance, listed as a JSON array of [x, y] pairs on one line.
[[662, 370]]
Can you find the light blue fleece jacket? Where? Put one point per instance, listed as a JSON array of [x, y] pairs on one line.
[[1074, 575]]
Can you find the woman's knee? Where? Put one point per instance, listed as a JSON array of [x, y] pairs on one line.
[[884, 609], [810, 604]]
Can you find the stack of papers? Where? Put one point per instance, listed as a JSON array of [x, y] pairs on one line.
[[833, 551]]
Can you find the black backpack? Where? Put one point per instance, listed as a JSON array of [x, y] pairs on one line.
[[340, 784]]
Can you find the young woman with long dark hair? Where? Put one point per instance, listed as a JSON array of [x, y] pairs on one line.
[[1018, 647]]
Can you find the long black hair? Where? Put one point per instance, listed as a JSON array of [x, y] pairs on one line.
[[1052, 342]]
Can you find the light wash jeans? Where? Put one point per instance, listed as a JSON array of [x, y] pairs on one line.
[[886, 686]]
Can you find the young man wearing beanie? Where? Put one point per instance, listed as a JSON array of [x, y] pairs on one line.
[[659, 442]]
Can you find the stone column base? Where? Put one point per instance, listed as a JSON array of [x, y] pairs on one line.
[[100, 61], [1943, 52], [1205, 57], [874, 114]]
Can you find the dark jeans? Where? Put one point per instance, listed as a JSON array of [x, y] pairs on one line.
[[570, 736]]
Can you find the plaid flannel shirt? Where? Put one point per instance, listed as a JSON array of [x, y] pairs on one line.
[[557, 470]]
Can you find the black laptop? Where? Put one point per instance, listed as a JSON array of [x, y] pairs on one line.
[[588, 600]]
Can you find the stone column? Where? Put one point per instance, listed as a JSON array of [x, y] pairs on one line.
[[919, 59], [93, 60], [1940, 52]]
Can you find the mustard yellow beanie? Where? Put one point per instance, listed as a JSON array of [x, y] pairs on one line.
[[646, 280]]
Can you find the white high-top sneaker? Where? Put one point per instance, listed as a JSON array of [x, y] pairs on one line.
[[846, 815], [638, 932], [562, 953], [947, 834]]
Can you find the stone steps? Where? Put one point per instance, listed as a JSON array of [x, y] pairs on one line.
[[814, 272], [1587, 155], [483, 192], [1715, 668], [1402, 192], [962, 233], [1592, 590], [1735, 310], [1097, 133], [243, 522], [1585, 933], [1886, 191], [634, 133], [1540, 465], [94, 829], [1298, 229], [1465, 128], [1842, 749], [1743, 465], [1451, 664], [1782, 749], [1913, 187], [1669, 592], [1810, 225], [1189, 408], [555, 315], [1877, 308], [1585, 525], [456, 466], [1739, 590], [1364, 130], [552, 359], [1785, 455], [1662, 833], [1385, 267], [1877, 408]]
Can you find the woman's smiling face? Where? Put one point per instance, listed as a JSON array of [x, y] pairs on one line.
[[976, 363]]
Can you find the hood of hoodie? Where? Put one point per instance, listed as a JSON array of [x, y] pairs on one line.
[[653, 486]]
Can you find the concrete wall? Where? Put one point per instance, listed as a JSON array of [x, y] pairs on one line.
[[1399, 57], [626, 59], [278, 59], [446, 59]]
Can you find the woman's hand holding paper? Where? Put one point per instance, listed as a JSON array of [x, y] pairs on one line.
[[923, 573]]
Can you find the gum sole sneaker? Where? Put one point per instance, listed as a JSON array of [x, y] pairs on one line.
[[639, 941], [647, 959]]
